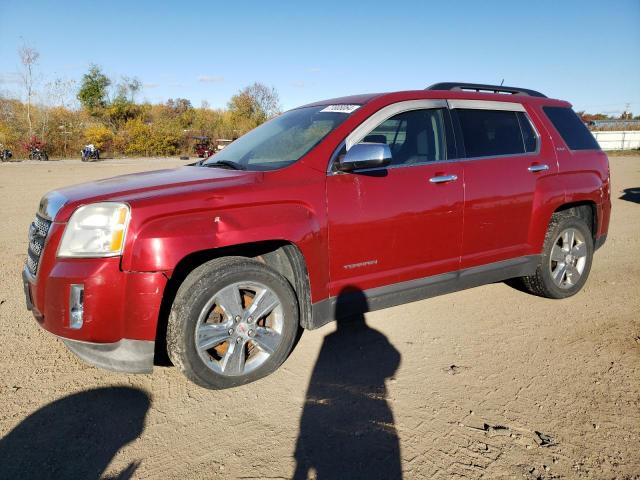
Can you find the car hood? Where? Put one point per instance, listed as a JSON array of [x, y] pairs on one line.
[[138, 186]]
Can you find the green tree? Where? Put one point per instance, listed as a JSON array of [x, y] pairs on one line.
[[93, 90]]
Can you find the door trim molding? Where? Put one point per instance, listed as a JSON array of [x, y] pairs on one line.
[[486, 105], [386, 113], [378, 298]]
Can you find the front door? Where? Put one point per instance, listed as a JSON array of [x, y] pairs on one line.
[[404, 221]]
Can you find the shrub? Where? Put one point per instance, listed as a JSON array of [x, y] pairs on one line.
[[99, 135]]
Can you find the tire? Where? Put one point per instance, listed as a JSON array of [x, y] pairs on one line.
[[206, 310], [549, 280]]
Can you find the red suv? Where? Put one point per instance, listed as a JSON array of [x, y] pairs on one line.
[[390, 197]]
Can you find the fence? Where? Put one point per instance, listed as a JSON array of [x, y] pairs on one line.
[[621, 140]]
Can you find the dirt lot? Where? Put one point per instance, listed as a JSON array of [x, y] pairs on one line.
[[489, 382]]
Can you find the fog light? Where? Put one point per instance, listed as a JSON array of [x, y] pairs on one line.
[[76, 307]]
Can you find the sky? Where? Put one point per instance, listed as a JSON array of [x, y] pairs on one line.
[[586, 52]]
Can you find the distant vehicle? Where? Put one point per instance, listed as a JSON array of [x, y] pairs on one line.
[[203, 148], [397, 197], [5, 153], [221, 143], [37, 153], [90, 153], [36, 149]]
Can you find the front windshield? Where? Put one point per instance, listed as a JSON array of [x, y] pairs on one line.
[[283, 140]]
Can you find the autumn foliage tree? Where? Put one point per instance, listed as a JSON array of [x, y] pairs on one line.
[[111, 117], [254, 105]]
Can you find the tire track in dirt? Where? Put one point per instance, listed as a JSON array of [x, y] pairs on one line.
[[568, 370]]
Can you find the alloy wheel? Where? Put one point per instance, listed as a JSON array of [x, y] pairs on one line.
[[568, 258], [239, 328]]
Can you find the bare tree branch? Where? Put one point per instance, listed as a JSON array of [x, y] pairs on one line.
[[28, 57]]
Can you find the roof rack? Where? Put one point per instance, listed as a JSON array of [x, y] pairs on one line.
[[479, 87]]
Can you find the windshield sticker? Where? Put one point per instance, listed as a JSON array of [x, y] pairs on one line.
[[341, 108]]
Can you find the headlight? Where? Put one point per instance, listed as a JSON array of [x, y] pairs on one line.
[[96, 230]]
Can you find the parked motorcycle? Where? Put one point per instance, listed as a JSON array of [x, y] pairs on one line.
[[38, 154], [5, 154], [90, 153]]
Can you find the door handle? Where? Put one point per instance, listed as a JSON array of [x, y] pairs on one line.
[[538, 168], [443, 179]]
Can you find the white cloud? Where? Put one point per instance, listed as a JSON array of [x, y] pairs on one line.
[[150, 85], [210, 78], [10, 78]]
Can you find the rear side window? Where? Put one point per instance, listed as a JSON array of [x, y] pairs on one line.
[[574, 133], [489, 133]]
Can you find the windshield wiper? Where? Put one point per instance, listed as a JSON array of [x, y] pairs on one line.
[[225, 164]]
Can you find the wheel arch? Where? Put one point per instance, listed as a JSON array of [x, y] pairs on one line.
[[283, 256], [585, 209]]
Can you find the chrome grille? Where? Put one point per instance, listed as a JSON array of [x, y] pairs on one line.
[[38, 231]]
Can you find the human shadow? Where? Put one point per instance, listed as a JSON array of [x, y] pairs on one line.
[[347, 428], [631, 195], [76, 436]]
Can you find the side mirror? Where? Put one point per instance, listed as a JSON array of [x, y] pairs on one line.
[[365, 155]]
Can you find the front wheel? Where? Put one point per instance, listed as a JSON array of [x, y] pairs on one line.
[[566, 258], [234, 320]]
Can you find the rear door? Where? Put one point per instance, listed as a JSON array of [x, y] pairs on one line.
[[404, 221], [503, 166]]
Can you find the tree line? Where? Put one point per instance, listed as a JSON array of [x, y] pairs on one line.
[[108, 114]]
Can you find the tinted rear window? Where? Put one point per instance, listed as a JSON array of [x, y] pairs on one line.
[[488, 133], [574, 133]]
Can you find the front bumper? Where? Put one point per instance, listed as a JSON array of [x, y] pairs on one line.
[[120, 311], [131, 356]]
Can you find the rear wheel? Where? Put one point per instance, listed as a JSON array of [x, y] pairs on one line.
[[234, 320], [566, 258]]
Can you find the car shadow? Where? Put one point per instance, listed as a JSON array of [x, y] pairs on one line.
[[76, 436], [631, 195], [347, 428]]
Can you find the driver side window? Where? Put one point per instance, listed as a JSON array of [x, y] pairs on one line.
[[416, 136]]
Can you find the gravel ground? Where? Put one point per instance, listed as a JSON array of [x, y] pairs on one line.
[[485, 383]]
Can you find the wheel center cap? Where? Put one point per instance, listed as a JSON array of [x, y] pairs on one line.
[[569, 258], [242, 328]]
